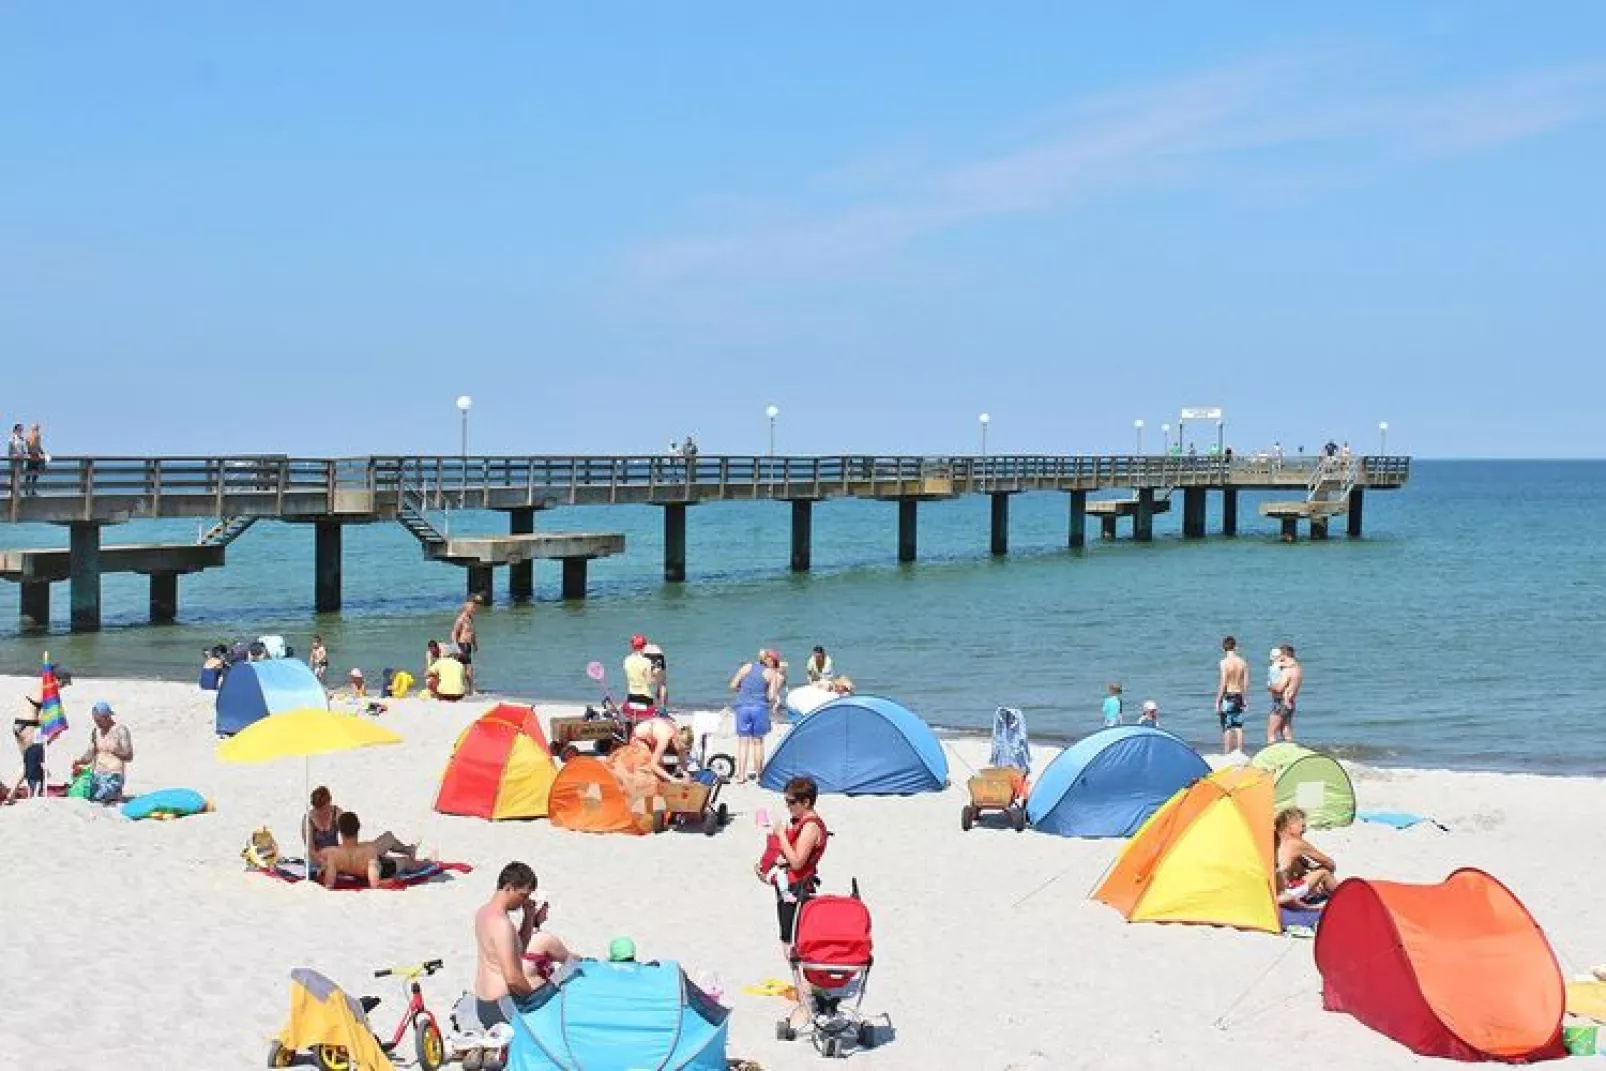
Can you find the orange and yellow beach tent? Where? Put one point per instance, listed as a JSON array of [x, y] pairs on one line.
[[500, 767], [1206, 856]]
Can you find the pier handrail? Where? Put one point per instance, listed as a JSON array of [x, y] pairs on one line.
[[102, 485]]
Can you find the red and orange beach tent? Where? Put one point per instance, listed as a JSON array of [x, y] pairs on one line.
[[1458, 969], [587, 796], [501, 767]]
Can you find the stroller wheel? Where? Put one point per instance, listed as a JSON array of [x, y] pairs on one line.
[[967, 817], [279, 1056], [332, 1058], [832, 1048], [473, 1060], [1017, 818], [784, 1031], [866, 1036]]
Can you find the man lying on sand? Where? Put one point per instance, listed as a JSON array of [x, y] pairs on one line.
[[374, 861], [512, 961]]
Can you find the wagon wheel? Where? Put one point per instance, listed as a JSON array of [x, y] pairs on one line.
[[568, 752], [723, 765], [1017, 818], [660, 821], [711, 823], [967, 817]]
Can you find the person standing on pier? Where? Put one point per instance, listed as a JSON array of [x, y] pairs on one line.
[[466, 640], [36, 459], [1232, 684], [16, 454]]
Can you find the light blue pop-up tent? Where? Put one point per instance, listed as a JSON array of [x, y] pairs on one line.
[[618, 1017], [1107, 784], [860, 745], [253, 690]]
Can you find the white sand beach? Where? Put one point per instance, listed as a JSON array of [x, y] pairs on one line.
[[148, 945]]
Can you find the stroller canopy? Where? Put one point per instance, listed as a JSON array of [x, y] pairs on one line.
[[860, 745], [1010, 746], [617, 1017]]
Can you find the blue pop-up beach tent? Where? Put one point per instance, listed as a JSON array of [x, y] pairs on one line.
[[617, 1017], [253, 690], [1107, 784], [860, 745]]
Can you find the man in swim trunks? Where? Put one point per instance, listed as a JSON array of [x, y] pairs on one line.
[[512, 960], [374, 861], [1284, 700], [467, 640], [1232, 683]]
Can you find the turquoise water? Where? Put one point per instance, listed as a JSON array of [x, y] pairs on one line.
[[1459, 633]]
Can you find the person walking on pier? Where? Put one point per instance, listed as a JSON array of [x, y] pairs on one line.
[[466, 640], [1232, 684]]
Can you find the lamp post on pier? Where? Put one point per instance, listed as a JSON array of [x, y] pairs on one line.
[[464, 404], [1383, 438], [1165, 432], [772, 412], [1137, 426], [1221, 437]]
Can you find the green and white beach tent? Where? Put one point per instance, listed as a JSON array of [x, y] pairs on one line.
[[1311, 781]]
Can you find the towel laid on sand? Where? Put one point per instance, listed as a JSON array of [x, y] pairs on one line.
[[292, 871], [1397, 819]]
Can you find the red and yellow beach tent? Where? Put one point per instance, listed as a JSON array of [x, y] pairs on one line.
[[1205, 856], [1458, 969], [501, 767]]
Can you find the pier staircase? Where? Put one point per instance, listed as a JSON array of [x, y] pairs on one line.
[[411, 515], [225, 531], [1327, 493]]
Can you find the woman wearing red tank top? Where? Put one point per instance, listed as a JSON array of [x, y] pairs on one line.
[[796, 844]]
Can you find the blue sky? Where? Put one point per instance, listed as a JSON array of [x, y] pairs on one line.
[[307, 228]]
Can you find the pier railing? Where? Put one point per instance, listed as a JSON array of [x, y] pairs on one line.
[[113, 488]]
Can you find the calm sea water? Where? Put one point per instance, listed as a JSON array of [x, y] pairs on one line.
[[1461, 632]]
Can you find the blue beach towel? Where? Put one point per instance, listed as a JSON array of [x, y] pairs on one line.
[[1298, 920], [1397, 819]]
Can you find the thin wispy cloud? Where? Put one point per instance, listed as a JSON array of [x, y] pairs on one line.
[[1166, 132]]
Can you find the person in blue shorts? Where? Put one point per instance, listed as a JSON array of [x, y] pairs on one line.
[[1231, 685], [758, 688]]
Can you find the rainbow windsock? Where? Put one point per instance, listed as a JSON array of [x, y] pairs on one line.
[[52, 719]]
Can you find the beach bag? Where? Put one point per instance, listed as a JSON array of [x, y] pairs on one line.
[[261, 851], [81, 785]]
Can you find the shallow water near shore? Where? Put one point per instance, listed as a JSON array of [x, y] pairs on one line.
[[1457, 634]]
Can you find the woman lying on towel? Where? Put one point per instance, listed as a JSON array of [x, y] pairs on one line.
[[1305, 874]]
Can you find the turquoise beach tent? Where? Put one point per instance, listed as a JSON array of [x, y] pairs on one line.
[[618, 1017], [860, 745], [1107, 784], [253, 690]]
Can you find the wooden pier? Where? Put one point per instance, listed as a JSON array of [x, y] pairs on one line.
[[85, 494]]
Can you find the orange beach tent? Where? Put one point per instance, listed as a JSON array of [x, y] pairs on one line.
[[1205, 856], [1458, 969], [587, 796], [500, 767]]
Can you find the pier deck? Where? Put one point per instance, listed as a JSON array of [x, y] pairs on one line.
[[85, 494]]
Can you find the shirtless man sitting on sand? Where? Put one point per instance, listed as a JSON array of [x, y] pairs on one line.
[[374, 861], [512, 960]]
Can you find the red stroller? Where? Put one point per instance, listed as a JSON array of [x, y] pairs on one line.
[[831, 959]]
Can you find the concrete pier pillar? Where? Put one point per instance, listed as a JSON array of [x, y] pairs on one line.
[[1107, 526], [1290, 529], [1000, 525], [574, 578], [521, 575], [1078, 532], [84, 570], [35, 606], [1143, 519], [802, 534], [1318, 527], [908, 528], [1193, 512], [1229, 511], [675, 542], [481, 583], [164, 598], [1357, 510], [326, 566]]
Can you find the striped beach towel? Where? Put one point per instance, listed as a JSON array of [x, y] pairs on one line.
[[52, 719]]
